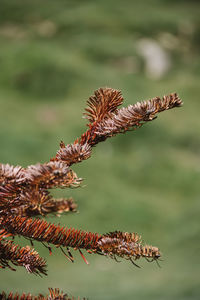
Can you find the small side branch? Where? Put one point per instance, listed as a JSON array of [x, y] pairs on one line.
[[21, 256], [114, 244], [54, 294], [106, 120]]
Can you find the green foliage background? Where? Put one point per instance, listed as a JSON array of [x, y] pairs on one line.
[[53, 55]]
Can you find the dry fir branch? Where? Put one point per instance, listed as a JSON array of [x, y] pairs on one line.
[[21, 256], [115, 244], [73, 153], [102, 103], [54, 294], [127, 245], [24, 192], [106, 120], [47, 176], [41, 203], [32, 202], [52, 175]]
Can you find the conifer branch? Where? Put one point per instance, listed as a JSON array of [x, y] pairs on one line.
[[48, 175], [126, 245], [24, 193], [102, 103], [32, 202], [21, 256], [115, 244], [41, 230], [107, 121], [73, 153], [134, 116], [11, 174], [41, 203], [52, 175], [54, 294]]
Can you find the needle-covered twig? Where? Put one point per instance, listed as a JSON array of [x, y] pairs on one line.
[[54, 294], [24, 192], [106, 121], [21, 256], [115, 244]]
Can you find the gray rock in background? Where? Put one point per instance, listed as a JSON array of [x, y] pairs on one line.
[[157, 60]]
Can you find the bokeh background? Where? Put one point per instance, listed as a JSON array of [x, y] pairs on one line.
[[53, 55]]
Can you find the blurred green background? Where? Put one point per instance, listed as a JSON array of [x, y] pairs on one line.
[[53, 55]]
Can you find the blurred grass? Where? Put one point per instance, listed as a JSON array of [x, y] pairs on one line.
[[53, 55]]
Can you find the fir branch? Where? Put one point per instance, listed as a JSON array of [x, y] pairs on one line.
[[11, 174], [48, 175], [134, 116], [54, 294], [32, 202], [39, 202], [28, 195], [73, 153], [24, 256], [115, 244], [51, 175], [24, 191], [7, 194], [126, 245], [9, 198], [41, 230], [107, 121], [61, 205], [102, 103]]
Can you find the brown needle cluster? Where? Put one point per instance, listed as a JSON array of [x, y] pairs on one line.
[[126, 245], [114, 244], [19, 256], [25, 192], [54, 294], [106, 120]]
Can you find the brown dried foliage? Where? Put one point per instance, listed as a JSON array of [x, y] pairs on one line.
[[32, 202], [115, 244], [54, 294], [102, 103], [28, 195], [134, 116], [21, 256], [40, 230], [73, 153], [106, 121], [24, 191], [126, 245], [41, 203], [48, 175]]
